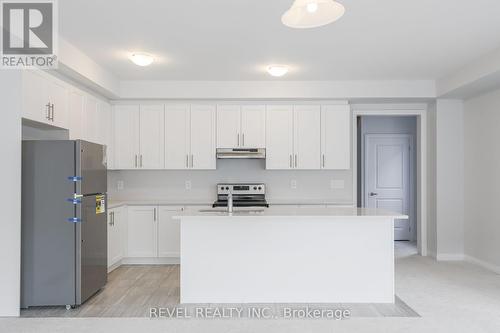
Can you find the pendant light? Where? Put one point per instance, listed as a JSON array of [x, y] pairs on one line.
[[312, 13]]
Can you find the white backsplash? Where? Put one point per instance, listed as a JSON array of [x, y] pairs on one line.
[[165, 185]]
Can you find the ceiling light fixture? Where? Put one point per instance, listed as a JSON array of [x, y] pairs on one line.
[[277, 70], [312, 13], [141, 59]]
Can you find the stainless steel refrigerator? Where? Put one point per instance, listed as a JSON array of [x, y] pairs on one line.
[[64, 231]]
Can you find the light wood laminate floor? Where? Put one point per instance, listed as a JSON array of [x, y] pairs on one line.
[[132, 290]]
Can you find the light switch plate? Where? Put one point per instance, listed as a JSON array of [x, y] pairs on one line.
[[337, 184], [188, 184], [120, 185]]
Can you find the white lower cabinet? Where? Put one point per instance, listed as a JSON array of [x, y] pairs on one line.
[[169, 232], [116, 228], [142, 239]]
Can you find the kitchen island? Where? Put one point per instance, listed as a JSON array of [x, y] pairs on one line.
[[288, 255]]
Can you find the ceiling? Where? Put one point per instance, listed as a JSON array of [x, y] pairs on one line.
[[236, 39]]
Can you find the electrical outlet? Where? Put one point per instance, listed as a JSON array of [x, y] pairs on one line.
[[293, 184], [120, 185], [188, 185], [337, 184]]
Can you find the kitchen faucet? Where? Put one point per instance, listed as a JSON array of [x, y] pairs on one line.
[[230, 202]]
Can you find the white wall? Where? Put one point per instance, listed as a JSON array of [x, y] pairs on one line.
[[482, 179], [449, 179], [170, 185], [431, 180], [10, 195]]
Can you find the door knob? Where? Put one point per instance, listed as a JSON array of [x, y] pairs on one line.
[[372, 194]]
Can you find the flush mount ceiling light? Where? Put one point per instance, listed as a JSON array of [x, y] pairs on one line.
[[141, 59], [312, 13], [277, 70]]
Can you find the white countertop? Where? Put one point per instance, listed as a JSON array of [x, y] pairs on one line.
[[163, 202], [287, 212]]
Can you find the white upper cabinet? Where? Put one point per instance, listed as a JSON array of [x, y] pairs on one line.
[[241, 126], [203, 137], [335, 137], [106, 131], [76, 105], [307, 137], [279, 137], [151, 122], [126, 136], [91, 119], [228, 126], [253, 126], [177, 137], [45, 99]]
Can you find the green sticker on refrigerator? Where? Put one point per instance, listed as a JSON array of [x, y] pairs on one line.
[[100, 204]]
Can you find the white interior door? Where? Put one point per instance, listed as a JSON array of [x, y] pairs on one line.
[[203, 137], [126, 133], [228, 126], [151, 134], [387, 177], [253, 126], [177, 136], [307, 138], [279, 137]]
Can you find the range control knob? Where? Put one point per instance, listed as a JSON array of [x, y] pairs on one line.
[[255, 188], [260, 188]]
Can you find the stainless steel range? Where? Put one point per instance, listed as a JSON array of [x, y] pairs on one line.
[[244, 195]]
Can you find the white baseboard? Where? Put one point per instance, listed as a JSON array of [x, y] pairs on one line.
[[450, 257], [482, 263], [151, 261], [114, 266]]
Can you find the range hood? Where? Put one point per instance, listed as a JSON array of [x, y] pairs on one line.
[[241, 153]]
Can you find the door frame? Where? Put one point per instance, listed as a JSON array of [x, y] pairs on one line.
[[420, 111], [411, 172]]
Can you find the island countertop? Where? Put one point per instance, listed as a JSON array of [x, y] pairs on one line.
[[291, 212]]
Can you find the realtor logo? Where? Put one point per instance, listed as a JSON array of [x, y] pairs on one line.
[[29, 34]]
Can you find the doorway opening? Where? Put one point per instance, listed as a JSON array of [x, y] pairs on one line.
[[387, 172]]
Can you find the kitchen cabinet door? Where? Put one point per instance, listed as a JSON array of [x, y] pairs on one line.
[[307, 137], [203, 137], [177, 137], [169, 236], [59, 97], [126, 136], [76, 105], [336, 137], [142, 232], [105, 123], [279, 137], [116, 220], [253, 126], [90, 120], [151, 131], [228, 126], [35, 97]]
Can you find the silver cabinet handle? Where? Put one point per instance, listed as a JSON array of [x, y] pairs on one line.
[[110, 218], [372, 194], [291, 166], [135, 165], [52, 116], [238, 138], [296, 160], [243, 140], [192, 161], [141, 160], [323, 160], [187, 161], [154, 214], [47, 116]]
